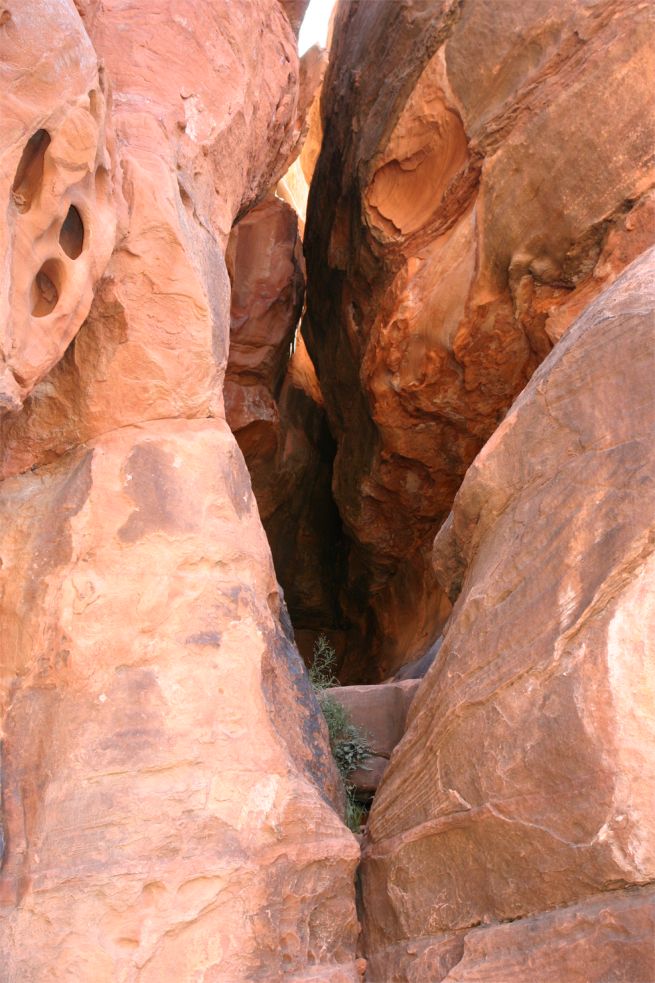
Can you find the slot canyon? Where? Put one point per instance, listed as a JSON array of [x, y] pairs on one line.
[[346, 354]]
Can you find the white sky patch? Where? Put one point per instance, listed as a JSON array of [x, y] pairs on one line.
[[314, 28]]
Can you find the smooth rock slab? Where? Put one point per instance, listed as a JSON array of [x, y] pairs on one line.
[[380, 711], [526, 778]]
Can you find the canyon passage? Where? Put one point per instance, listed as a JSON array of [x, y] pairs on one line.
[[327, 491]]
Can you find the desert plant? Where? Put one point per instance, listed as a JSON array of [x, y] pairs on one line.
[[321, 671], [355, 811], [349, 746]]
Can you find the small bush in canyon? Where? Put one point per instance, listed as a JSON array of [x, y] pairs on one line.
[[350, 748]]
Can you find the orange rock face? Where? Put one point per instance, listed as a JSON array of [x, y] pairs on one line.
[[167, 789], [149, 353], [474, 192], [526, 777], [266, 268], [275, 409], [161, 749], [169, 806], [607, 938]]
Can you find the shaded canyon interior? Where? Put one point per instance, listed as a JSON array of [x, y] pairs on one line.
[[358, 344]]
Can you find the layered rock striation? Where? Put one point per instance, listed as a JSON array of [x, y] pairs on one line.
[[524, 783], [169, 807], [486, 170]]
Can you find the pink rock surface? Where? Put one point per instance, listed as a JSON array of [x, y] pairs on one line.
[[608, 938], [380, 711], [164, 766], [266, 268], [526, 777], [196, 144], [274, 406], [168, 796], [54, 163], [380, 714], [295, 11]]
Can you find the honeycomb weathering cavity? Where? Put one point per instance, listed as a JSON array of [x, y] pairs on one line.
[[71, 237], [60, 235], [46, 288], [407, 192], [29, 173]]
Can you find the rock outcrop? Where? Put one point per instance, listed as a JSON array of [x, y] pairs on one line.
[[266, 270], [486, 170], [379, 713], [275, 408], [525, 780], [167, 789], [54, 165], [451, 473]]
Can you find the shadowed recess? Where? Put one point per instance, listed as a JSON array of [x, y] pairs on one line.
[[29, 173], [71, 237], [46, 288]]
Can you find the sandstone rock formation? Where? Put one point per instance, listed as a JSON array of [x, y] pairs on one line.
[[486, 170], [526, 778], [266, 269], [145, 353], [54, 160], [169, 807], [380, 714], [160, 744], [294, 186], [167, 789], [295, 11], [275, 409]]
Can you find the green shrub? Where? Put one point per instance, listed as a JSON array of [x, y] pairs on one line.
[[321, 671], [350, 748], [355, 811]]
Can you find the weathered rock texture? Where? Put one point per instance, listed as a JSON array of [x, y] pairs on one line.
[[526, 778], [486, 169], [266, 269], [294, 186], [161, 749], [275, 408], [155, 343], [380, 714], [166, 781], [59, 229]]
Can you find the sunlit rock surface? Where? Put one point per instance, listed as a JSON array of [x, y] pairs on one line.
[[58, 231], [167, 789], [526, 777]]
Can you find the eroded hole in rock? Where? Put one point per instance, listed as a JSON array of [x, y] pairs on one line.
[[102, 181], [94, 104], [406, 191], [185, 197], [46, 288], [29, 173], [71, 237]]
